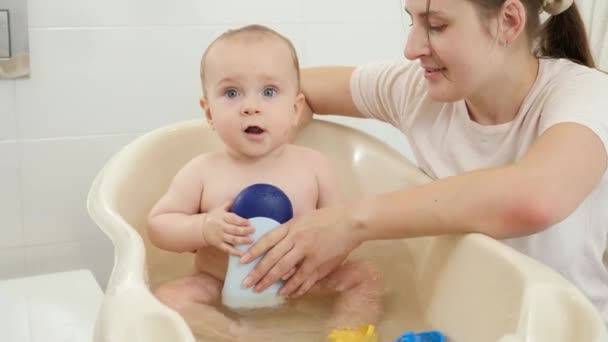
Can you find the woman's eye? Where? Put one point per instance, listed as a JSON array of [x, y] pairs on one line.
[[438, 28], [231, 93], [270, 92]]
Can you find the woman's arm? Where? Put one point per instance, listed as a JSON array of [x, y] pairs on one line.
[[561, 168], [329, 194], [327, 91]]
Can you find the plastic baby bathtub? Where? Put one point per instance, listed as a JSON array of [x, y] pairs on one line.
[[472, 288]]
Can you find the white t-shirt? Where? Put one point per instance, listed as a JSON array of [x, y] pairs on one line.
[[447, 142]]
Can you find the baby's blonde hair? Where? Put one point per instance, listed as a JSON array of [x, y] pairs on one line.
[[251, 32]]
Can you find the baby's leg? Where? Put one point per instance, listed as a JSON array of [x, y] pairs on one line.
[[193, 298], [360, 287]]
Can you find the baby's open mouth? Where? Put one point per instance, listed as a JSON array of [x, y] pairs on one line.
[[254, 130]]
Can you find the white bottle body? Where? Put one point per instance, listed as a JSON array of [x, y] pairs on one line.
[[234, 294]]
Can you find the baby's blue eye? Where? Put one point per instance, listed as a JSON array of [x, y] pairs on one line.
[[270, 92], [231, 93]]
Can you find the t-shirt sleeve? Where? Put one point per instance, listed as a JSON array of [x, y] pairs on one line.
[[581, 98], [385, 90]]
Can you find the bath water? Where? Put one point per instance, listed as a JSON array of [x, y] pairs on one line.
[[301, 320]]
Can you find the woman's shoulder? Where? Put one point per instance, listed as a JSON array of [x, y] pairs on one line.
[[387, 90], [565, 71], [392, 72], [571, 92], [564, 81]]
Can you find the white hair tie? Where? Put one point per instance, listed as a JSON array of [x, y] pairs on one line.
[[555, 7]]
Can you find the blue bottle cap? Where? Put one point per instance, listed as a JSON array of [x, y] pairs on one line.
[[263, 200]]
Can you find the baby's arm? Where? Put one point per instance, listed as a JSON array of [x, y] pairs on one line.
[[174, 223]]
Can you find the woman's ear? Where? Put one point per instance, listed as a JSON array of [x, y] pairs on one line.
[[205, 106], [512, 22]]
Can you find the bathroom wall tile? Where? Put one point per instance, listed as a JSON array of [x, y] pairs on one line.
[[56, 178], [351, 44], [53, 258], [248, 12], [98, 256], [93, 254], [70, 13], [352, 11], [12, 263], [108, 81], [8, 125], [11, 229]]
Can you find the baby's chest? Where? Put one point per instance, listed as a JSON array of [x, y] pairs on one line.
[[300, 187]]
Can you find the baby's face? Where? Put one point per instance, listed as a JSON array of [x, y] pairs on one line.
[[252, 98]]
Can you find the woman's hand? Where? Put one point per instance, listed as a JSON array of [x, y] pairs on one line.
[[314, 243]]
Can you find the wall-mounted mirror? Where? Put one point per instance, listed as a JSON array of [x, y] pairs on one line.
[[14, 48]]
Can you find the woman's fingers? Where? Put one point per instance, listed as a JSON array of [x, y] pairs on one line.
[[263, 245], [331, 265], [289, 274], [304, 273], [308, 283], [286, 263], [269, 260]]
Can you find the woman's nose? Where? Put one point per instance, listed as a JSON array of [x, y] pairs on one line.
[[417, 44]]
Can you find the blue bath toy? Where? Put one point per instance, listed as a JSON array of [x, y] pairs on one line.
[[266, 207], [426, 336]]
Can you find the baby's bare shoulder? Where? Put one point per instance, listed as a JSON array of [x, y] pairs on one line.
[[312, 160], [198, 167], [205, 160], [307, 154]]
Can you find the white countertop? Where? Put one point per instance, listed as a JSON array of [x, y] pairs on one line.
[[56, 307]]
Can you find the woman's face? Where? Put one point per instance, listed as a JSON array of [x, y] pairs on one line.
[[456, 49]]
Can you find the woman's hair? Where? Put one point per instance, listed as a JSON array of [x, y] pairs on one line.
[[561, 36]]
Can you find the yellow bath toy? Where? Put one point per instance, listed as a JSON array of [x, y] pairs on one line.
[[366, 333]]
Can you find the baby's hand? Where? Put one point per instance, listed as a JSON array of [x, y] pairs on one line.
[[224, 229]]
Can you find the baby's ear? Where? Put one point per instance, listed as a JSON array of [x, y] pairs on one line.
[[205, 106], [298, 107]]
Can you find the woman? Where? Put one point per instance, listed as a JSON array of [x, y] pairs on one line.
[[507, 116]]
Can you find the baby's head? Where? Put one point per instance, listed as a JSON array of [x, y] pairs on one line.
[[250, 34], [251, 89]]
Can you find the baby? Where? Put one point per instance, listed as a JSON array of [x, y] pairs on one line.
[[250, 78]]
